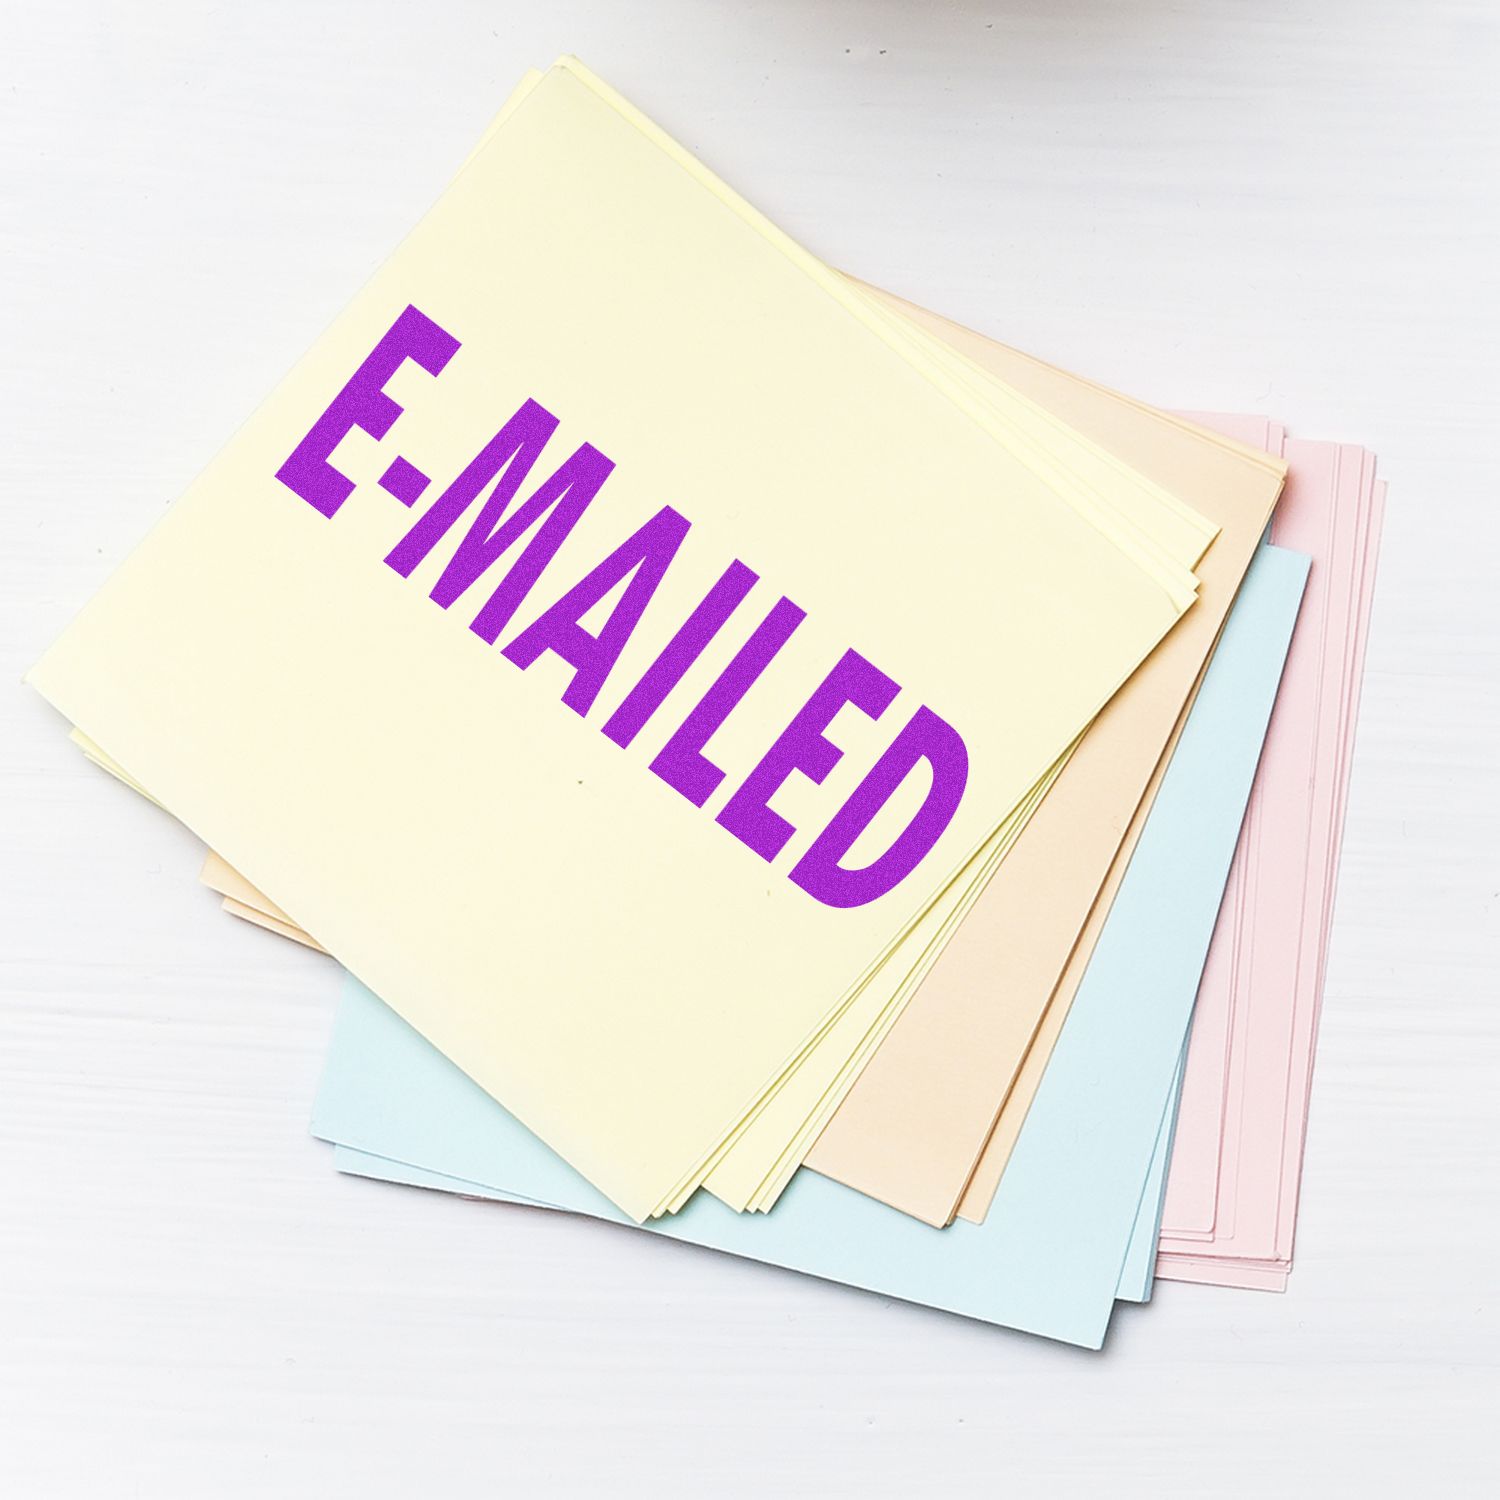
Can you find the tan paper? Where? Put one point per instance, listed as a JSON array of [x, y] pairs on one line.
[[980, 1190], [912, 1127], [258, 918]]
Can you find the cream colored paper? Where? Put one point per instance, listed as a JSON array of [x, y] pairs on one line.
[[915, 1124], [612, 966], [912, 1130]]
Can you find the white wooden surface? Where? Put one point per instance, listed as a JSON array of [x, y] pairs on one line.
[[1275, 206]]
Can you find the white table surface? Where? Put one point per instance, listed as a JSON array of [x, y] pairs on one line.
[[1282, 206]]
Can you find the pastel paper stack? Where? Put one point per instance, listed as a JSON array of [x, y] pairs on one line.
[[904, 744]]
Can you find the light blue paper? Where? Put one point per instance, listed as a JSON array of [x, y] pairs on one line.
[[1138, 1278], [1049, 1257]]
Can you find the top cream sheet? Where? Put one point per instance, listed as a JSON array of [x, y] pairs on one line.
[[596, 950]]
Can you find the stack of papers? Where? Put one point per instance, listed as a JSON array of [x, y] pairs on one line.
[[728, 721]]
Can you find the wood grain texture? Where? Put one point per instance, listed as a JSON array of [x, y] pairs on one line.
[[1279, 207]]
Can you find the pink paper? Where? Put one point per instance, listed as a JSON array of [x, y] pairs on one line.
[[1232, 1187]]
